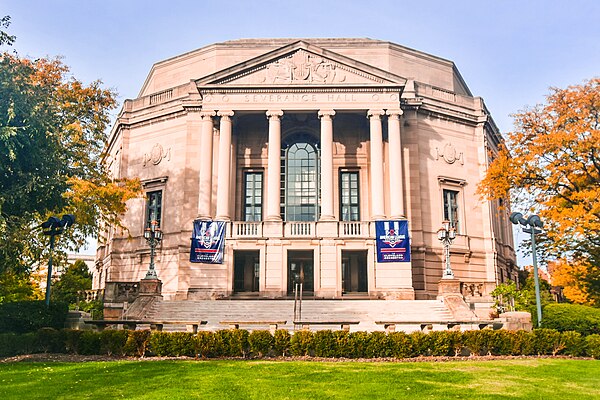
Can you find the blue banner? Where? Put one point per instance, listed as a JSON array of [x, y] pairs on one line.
[[208, 242], [393, 244]]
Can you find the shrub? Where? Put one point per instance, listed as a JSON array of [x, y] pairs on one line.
[[182, 344], [50, 340], [71, 338], [137, 343], [281, 342], [302, 344], [571, 343], [160, 343], [342, 344], [377, 345], [90, 343], [231, 342], [113, 342], [420, 343], [260, 342], [324, 344], [358, 342], [523, 343], [205, 341], [400, 345], [546, 341], [572, 317], [29, 316], [500, 342], [593, 346], [443, 342]]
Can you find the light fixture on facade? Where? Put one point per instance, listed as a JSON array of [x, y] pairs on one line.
[[529, 226], [446, 234], [153, 236]]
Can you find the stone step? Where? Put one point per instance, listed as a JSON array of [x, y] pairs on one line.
[[365, 311]]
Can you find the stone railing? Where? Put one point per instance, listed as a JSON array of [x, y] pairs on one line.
[[241, 229], [346, 229], [118, 292], [90, 295], [353, 229], [299, 229]]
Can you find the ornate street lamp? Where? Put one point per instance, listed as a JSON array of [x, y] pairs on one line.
[[53, 227], [529, 226], [446, 234], [153, 236]]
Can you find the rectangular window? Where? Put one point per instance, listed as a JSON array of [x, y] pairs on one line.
[[349, 196], [451, 208], [153, 207], [253, 185]]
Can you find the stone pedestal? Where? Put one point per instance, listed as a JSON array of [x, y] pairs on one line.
[[152, 287], [448, 287]]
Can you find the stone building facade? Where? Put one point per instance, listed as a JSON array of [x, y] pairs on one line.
[[301, 145]]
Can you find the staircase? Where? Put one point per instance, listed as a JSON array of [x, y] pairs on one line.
[[365, 311]]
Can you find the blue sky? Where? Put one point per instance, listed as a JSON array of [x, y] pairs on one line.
[[508, 51]]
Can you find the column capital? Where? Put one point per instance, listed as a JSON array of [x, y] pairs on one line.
[[326, 113], [225, 114], [274, 114], [207, 114], [376, 114], [394, 113]]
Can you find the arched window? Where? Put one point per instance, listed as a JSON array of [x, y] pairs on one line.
[[300, 179]]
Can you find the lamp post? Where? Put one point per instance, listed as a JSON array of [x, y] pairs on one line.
[[53, 227], [153, 236], [446, 234], [529, 226]]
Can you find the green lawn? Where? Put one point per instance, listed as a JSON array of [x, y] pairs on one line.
[[504, 379]]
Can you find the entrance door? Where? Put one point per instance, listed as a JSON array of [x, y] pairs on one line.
[[246, 269], [354, 272], [301, 270]]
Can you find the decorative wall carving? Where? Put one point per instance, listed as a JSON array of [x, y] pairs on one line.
[[303, 67], [157, 154], [449, 154]]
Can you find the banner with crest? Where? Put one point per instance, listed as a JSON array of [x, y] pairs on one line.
[[208, 242], [393, 244]]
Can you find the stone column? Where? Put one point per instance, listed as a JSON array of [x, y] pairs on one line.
[[224, 168], [274, 166], [206, 160], [327, 165], [395, 165], [377, 205]]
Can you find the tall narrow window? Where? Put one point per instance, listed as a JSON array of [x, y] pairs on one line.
[[300, 180], [349, 196], [253, 184], [153, 207], [451, 208]]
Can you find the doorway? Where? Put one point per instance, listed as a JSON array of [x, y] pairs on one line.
[[301, 270], [246, 271], [354, 272]]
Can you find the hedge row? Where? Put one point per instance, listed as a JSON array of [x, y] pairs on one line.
[[29, 316], [261, 343], [572, 317]]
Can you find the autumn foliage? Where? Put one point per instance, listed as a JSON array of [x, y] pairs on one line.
[[53, 133], [551, 165]]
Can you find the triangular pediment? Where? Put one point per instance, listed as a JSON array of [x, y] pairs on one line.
[[301, 63]]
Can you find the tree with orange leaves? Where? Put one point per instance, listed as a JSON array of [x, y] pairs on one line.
[[550, 165], [52, 141]]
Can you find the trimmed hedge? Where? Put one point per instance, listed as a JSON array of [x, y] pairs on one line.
[[29, 316], [326, 343], [572, 317]]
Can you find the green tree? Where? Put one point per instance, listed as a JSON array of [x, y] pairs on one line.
[[73, 280], [52, 137]]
